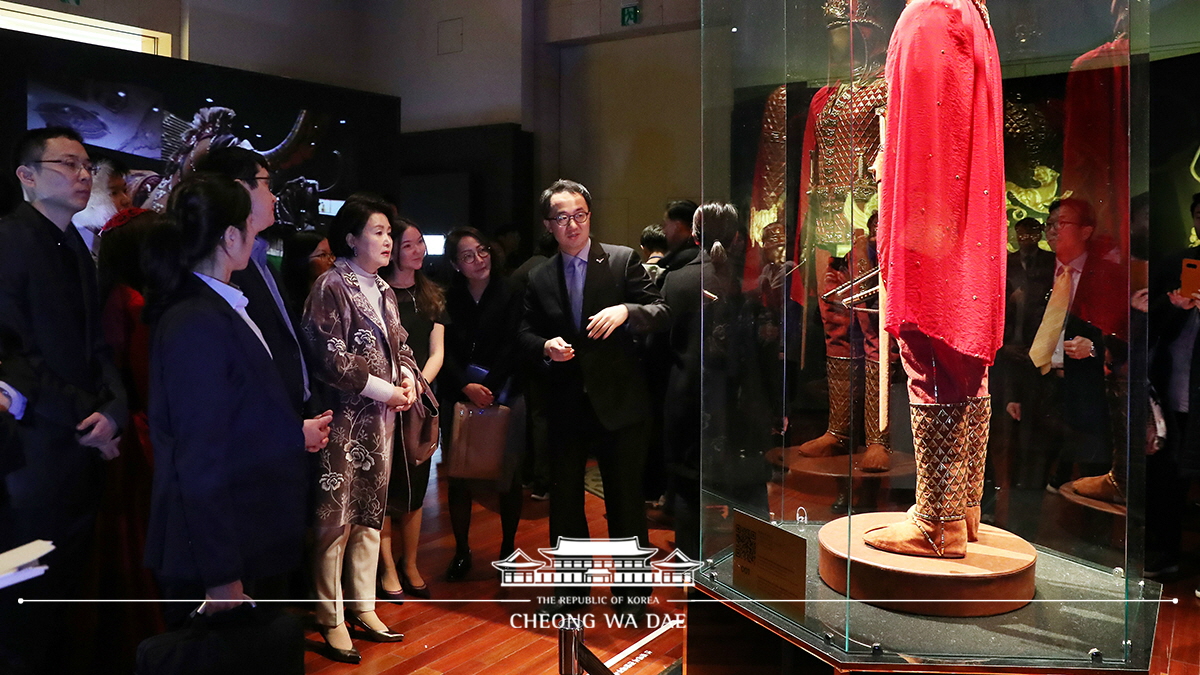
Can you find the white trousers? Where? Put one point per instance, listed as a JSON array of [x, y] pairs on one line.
[[350, 552]]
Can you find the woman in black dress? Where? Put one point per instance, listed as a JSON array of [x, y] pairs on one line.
[[482, 368], [423, 313]]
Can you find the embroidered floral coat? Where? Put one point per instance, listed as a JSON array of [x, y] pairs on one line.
[[348, 344]]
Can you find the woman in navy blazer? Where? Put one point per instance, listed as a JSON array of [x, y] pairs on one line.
[[229, 503]]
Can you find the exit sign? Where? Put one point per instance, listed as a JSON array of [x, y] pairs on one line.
[[631, 15]]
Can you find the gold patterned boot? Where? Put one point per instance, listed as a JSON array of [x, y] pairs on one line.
[[840, 374], [878, 457], [979, 421], [935, 526]]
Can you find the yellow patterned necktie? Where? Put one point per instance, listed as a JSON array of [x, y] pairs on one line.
[[1052, 321]]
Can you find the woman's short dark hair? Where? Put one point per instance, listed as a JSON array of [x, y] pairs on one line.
[[563, 185], [353, 217], [199, 211], [455, 238], [1195, 203]]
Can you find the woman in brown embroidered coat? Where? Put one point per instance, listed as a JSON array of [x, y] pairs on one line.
[[352, 322]]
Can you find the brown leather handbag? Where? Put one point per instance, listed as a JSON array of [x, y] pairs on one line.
[[478, 441], [420, 430]]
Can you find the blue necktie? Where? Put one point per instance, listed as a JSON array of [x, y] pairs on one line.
[[576, 272]]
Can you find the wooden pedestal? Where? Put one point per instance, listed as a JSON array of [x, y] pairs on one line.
[[996, 576], [836, 466]]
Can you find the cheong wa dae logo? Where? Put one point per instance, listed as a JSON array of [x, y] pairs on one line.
[[603, 562]]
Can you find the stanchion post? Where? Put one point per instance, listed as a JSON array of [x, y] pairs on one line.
[[570, 639]]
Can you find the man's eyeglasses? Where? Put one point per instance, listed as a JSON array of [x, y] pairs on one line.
[[1060, 224], [73, 165], [580, 218], [481, 253]]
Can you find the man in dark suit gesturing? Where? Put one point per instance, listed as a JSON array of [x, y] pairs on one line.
[[581, 310]]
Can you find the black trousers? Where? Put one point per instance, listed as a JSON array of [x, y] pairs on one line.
[[576, 432]]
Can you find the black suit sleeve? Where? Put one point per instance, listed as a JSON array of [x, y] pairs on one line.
[[504, 331], [535, 325], [197, 365], [54, 398], [648, 312]]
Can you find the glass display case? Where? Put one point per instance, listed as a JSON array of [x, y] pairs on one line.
[[938, 469]]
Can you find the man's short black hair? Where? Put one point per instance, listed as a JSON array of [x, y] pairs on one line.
[[234, 162], [654, 239], [1031, 224], [32, 143], [563, 185], [682, 211]]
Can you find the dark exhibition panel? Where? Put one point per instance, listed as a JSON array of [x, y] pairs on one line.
[[327, 142]]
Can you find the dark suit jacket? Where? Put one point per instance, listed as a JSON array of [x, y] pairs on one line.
[[606, 371], [683, 292], [55, 313], [230, 470], [285, 349], [1084, 402], [675, 260], [482, 334], [49, 304]]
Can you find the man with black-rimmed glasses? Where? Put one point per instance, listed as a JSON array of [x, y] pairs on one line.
[[582, 308], [72, 405]]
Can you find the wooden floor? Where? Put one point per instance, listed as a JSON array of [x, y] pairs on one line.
[[478, 637], [1177, 639]]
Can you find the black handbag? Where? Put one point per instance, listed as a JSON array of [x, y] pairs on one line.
[[246, 639]]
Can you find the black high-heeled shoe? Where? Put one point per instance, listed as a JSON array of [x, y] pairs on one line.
[[421, 591], [459, 567], [394, 597], [371, 634], [351, 656]]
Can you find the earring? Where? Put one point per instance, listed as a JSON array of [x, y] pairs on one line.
[[353, 251]]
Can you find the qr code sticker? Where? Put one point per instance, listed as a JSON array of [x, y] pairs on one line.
[[745, 545]]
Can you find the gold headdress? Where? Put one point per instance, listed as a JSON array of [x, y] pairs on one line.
[[844, 12]]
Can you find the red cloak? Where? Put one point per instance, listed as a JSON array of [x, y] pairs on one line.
[[1096, 170], [942, 229]]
